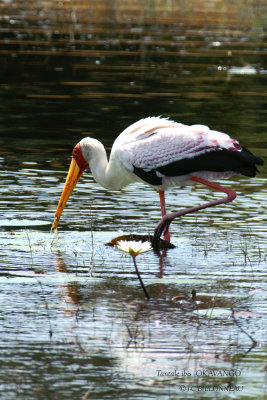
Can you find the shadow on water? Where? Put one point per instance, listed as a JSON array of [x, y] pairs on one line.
[[74, 323]]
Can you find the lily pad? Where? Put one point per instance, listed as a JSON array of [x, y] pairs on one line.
[[245, 314], [15, 222], [31, 277], [176, 281], [215, 295], [214, 312], [162, 244]]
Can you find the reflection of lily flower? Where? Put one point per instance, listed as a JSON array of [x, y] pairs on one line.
[[135, 248]]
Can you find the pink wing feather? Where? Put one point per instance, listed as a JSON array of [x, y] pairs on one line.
[[155, 142]]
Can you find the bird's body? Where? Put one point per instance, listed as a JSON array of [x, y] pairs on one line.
[[161, 153]]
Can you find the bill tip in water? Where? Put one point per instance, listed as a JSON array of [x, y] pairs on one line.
[[55, 224], [55, 230]]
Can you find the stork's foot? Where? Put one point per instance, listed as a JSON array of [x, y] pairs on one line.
[[167, 236], [162, 226]]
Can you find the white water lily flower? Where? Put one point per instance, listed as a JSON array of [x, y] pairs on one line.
[[134, 248]]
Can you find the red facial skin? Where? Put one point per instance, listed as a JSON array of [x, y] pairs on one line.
[[79, 158]]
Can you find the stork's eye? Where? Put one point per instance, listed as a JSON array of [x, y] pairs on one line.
[[75, 152]]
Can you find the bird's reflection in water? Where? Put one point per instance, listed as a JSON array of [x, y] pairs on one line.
[[71, 294]]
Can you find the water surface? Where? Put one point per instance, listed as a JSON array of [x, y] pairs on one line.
[[74, 323]]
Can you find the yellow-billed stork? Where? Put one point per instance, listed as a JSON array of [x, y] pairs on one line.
[[162, 153]]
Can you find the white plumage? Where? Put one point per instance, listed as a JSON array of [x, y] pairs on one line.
[[154, 142]]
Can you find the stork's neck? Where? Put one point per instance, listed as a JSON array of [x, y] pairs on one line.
[[105, 172]]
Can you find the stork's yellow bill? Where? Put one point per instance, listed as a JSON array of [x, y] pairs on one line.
[[77, 166]]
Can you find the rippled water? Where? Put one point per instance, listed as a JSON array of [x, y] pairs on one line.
[[74, 324]]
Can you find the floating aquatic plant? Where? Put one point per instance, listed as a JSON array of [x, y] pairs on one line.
[[135, 248]]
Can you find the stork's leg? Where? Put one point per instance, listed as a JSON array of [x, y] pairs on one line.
[[166, 220], [167, 235]]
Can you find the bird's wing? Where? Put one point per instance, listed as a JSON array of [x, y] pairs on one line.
[[155, 149], [165, 142]]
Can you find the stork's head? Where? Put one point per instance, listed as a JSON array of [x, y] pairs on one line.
[[76, 169]]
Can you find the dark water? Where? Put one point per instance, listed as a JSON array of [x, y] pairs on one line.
[[73, 321]]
